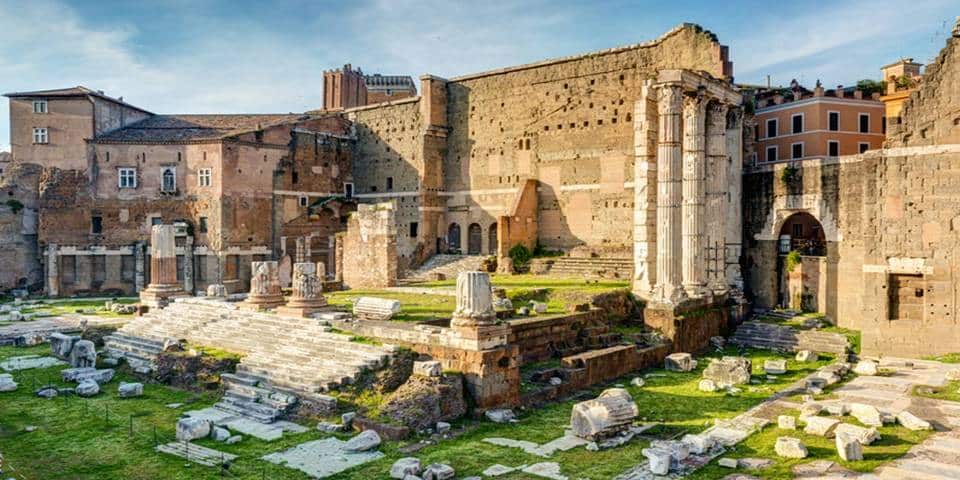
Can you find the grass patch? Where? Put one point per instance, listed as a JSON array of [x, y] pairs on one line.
[[414, 307], [55, 307], [950, 391], [945, 358]]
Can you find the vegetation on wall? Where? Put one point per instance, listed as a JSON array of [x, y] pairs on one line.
[[792, 260], [15, 205], [789, 175]]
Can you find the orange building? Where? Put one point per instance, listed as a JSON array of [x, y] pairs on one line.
[[902, 77], [799, 124]]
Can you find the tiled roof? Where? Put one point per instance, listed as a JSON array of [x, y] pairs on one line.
[[72, 92], [179, 128], [387, 81]]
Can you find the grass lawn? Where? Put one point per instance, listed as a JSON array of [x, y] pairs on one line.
[[74, 440], [950, 391], [62, 307], [558, 293]]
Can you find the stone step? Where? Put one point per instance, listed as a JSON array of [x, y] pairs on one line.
[[256, 411], [196, 454]]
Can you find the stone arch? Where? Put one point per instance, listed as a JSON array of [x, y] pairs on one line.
[[787, 205], [474, 239], [802, 232], [453, 237], [492, 239]]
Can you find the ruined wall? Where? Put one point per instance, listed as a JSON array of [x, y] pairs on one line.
[[19, 260], [931, 115], [370, 248]]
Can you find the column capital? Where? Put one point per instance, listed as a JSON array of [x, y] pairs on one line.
[[669, 98]]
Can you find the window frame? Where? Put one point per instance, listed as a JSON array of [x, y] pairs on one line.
[[204, 177], [862, 147], [414, 229], [803, 150], [303, 200], [163, 174], [776, 127], [829, 114], [766, 153], [803, 123], [833, 142], [44, 107], [96, 224], [41, 136], [129, 173], [349, 190], [860, 117], [202, 225]]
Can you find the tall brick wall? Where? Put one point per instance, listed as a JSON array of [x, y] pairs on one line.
[[19, 258], [370, 248]]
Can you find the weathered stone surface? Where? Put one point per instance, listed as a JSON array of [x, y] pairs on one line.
[[47, 392], [912, 422], [821, 426], [787, 422], [421, 401], [807, 356], [866, 367], [328, 427], [81, 374], [438, 471], [405, 466], [374, 308], [679, 362], [698, 444], [27, 362], [474, 300], [775, 366], [233, 439], [347, 419], [810, 409], [217, 290], [866, 414], [849, 447], [366, 440], [728, 462], [220, 434], [539, 307], [707, 385], [500, 415], [659, 460], [61, 344], [608, 414], [789, 447], [191, 428], [321, 458], [729, 371], [865, 435], [128, 390], [83, 354], [6, 383], [427, 369], [88, 388]]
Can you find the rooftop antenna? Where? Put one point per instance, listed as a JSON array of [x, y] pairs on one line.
[[768, 80]]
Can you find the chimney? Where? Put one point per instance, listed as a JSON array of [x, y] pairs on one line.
[[778, 99], [839, 91], [818, 91], [858, 94], [875, 95]]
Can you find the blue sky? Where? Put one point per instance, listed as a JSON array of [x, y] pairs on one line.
[[234, 56]]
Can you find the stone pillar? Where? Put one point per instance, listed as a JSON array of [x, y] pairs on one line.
[[188, 283], [301, 254], [307, 297], [139, 266], [733, 223], [694, 201], [265, 290], [716, 196], [53, 270], [645, 193], [474, 318], [669, 103], [163, 268]]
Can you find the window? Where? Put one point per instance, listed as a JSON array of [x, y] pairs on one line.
[[797, 121], [833, 121], [156, 221], [864, 123], [168, 179], [96, 224], [40, 135], [389, 184], [797, 230], [863, 147], [39, 106], [348, 190], [303, 201], [772, 154], [204, 176], [833, 148], [796, 150], [127, 178], [414, 229], [294, 177], [203, 224], [772, 128]]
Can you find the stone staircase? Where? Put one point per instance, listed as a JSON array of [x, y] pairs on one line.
[[780, 337], [447, 265], [282, 356], [595, 267]]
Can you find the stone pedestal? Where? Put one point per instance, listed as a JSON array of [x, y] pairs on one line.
[[475, 319], [689, 325], [163, 285], [264, 287], [307, 297]]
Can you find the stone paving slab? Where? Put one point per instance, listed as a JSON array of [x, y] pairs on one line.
[[262, 431], [562, 444], [321, 458], [215, 415], [27, 362], [196, 453]]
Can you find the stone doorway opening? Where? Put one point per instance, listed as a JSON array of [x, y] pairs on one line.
[[474, 239], [453, 238], [802, 264], [492, 239]]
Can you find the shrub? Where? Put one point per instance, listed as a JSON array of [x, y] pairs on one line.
[[789, 175], [14, 205], [792, 260], [520, 254]]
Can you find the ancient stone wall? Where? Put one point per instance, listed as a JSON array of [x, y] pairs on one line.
[[370, 248], [19, 256]]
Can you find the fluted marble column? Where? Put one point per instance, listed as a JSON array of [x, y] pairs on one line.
[[669, 106], [474, 300], [716, 196], [265, 292], [694, 201]]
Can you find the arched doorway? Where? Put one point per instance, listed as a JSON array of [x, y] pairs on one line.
[[492, 239], [453, 238], [474, 239], [802, 264]]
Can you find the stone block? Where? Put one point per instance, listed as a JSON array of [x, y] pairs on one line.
[[728, 462], [865, 435], [787, 422], [500, 415], [608, 414], [679, 362], [849, 448], [775, 366], [790, 447], [220, 434], [88, 388], [659, 460], [807, 356], [366, 440], [61, 344], [405, 466], [6, 383], [866, 414], [698, 444], [374, 308], [866, 368], [427, 369], [821, 426], [129, 390], [707, 385], [912, 422], [191, 428], [438, 471], [729, 371]]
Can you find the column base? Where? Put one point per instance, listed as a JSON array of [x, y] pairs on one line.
[[303, 308], [261, 302], [698, 292], [160, 295], [669, 295], [481, 337]]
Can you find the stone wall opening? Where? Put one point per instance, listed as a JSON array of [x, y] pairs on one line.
[[474, 239], [905, 296], [453, 238], [803, 233], [492, 239]]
